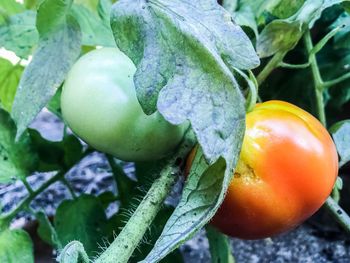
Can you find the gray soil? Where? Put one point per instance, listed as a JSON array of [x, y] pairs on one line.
[[318, 240]]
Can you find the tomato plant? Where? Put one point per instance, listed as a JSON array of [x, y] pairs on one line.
[[99, 104], [143, 82]]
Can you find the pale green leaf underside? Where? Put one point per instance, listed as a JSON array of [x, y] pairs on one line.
[[201, 197], [184, 52], [19, 33], [59, 47]]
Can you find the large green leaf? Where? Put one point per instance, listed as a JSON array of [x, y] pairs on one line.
[[82, 219], [17, 159], [19, 33], [16, 246], [59, 47], [9, 79], [184, 52]]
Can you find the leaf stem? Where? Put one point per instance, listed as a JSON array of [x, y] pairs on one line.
[[69, 187], [126, 242], [9, 216], [333, 82], [274, 62]]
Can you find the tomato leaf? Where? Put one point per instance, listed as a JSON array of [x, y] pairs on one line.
[[18, 33], [341, 136], [46, 231], [184, 52], [16, 246], [81, 219], [59, 47], [342, 38], [8, 8], [282, 35], [9, 79], [219, 246], [17, 159], [203, 193], [95, 30]]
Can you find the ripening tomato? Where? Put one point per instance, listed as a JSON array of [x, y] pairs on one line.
[[287, 168], [99, 104]]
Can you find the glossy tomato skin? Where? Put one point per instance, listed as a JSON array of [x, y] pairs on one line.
[[99, 104], [287, 168]]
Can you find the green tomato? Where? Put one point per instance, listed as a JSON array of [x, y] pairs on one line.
[[99, 104]]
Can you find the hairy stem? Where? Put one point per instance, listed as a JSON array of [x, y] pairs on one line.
[[126, 242]]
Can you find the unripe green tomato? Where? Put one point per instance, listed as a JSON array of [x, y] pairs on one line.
[[99, 104]]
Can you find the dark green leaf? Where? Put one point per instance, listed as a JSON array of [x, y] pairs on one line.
[[82, 219], [9, 79], [184, 52], [341, 136], [95, 31], [219, 246], [17, 159], [19, 33], [59, 47], [56, 155], [203, 193], [16, 246], [342, 38], [46, 231]]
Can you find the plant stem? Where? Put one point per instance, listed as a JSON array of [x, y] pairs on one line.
[[338, 213], [9, 216], [333, 82], [124, 245], [274, 62], [318, 82], [126, 242], [69, 187]]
